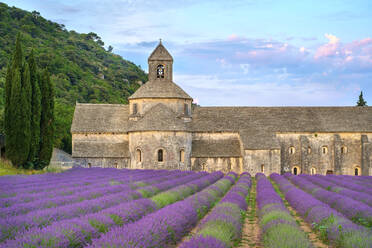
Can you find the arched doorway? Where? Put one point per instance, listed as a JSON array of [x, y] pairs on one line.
[[357, 171], [296, 170]]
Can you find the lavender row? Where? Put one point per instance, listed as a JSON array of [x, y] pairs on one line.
[[78, 232], [9, 227], [278, 227], [69, 189], [71, 175], [167, 226], [223, 226], [82, 180], [356, 211], [328, 185], [93, 193], [331, 225], [348, 183]]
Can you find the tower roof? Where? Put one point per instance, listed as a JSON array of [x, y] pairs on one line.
[[159, 118], [160, 89], [160, 53]]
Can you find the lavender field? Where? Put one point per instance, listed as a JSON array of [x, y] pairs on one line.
[[106, 207]]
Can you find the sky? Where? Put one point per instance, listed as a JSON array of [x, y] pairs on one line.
[[235, 52]]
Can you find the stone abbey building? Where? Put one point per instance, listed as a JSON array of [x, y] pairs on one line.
[[160, 129]]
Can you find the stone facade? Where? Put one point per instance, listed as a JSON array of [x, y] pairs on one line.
[[159, 129]]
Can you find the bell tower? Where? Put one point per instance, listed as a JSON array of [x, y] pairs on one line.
[[160, 64]]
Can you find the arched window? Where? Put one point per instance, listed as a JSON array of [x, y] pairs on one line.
[[343, 149], [89, 165], [262, 168], [312, 171], [308, 150], [116, 165], [324, 150], [160, 71], [138, 155], [292, 150], [182, 155], [296, 170], [160, 155], [357, 171]]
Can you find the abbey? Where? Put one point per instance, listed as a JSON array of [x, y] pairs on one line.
[[161, 129]]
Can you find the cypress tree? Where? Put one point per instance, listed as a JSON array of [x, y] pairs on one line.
[[15, 149], [14, 65], [35, 109], [17, 114], [46, 120], [25, 105], [361, 102]]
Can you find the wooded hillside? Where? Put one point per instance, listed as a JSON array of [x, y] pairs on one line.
[[81, 68]]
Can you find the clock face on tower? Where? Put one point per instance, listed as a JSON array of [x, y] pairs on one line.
[[160, 71]]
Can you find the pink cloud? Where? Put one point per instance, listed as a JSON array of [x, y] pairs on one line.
[[329, 49]]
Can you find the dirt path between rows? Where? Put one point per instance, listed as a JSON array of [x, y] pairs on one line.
[[306, 227], [251, 229]]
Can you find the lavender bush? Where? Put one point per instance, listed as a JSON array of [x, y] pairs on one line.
[[223, 226], [166, 226], [59, 234], [279, 228], [331, 225]]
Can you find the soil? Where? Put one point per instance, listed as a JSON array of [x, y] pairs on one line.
[[251, 230]]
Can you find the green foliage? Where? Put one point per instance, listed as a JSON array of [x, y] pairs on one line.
[[17, 118], [79, 66], [361, 102], [46, 120], [35, 109]]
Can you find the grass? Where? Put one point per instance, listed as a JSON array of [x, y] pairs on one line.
[[6, 169]]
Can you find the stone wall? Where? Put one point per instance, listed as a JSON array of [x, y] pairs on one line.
[[217, 164], [321, 151], [118, 163], [151, 141], [264, 161], [143, 105]]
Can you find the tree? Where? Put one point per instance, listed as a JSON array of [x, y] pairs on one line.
[[17, 113], [110, 48], [35, 109], [46, 120], [361, 101]]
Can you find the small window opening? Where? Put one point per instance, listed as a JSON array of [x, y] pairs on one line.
[[344, 150], [160, 155], [292, 150], [138, 155], [135, 108], [186, 109], [182, 156], [313, 171], [329, 172], [324, 150], [160, 71], [89, 165], [262, 168], [204, 166], [357, 171], [116, 165]]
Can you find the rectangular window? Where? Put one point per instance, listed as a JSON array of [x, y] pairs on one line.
[[186, 109], [135, 108]]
